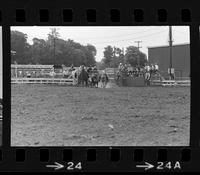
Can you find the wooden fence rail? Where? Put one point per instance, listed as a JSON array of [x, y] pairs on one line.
[[68, 81], [42, 81], [171, 82]]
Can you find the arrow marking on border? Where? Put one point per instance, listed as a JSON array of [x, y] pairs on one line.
[[57, 166], [146, 166]]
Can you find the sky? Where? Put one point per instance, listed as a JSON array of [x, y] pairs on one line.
[[118, 36]]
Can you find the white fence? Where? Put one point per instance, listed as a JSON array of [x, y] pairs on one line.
[[42, 81], [171, 82], [111, 73], [68, 81]]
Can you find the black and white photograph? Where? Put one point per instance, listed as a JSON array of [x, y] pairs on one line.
[[1, 87], [99, 85]]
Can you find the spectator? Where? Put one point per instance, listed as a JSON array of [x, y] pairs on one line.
[[130, 70], [120, 67], [71, 68], [125, 67], [28, 75], [89, 70], [147, 68], [20, 74], [151, 69], [95, 68], [156, 67]]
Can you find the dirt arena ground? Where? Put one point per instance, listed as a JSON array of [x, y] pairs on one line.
[[50, 115]]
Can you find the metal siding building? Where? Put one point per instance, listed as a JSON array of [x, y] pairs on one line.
[[180, 59]]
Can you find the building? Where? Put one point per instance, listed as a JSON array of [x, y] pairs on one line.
[[180, 59]]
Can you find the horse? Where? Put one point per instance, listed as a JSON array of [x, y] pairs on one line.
[[74, 74], [83, 77], [157, 74], [103, 79], [147, 77], [94, 80]]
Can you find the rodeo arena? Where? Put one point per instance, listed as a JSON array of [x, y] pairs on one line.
[[116, 80], [149, 105]]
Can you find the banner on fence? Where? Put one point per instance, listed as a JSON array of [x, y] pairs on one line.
[[110, 70]]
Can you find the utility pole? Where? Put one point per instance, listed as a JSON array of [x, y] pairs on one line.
[[54, 49], [170, 51], [123, 51], [54, 35], [138, 61], [138, 42], [114, 59], [114, 51]]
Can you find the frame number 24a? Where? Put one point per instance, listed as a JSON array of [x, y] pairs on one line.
[[168, 165]]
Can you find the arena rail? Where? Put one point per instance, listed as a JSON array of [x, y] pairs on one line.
[[42, 81], [171, 82]]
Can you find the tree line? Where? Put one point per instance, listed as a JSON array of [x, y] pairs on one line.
[[113, 56], [55, 50]]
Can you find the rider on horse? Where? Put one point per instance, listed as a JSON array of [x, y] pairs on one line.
[[147, 74]]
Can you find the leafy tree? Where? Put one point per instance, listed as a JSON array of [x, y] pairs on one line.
[[39, 51], [134, 57], [91, 49], [118, 57], [19, 47], [52, 41], [108, 55], [53, 50], [112, 57], [90, 52]]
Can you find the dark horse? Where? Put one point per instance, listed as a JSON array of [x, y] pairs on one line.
[[147, 77], [83, 77], [94, 80]]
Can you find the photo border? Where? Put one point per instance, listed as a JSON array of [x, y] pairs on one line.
[[175, 16]]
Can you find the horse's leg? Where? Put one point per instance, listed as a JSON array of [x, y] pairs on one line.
[[86, 82], [104, 84]]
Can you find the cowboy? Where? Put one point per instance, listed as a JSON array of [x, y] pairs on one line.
[[28, 75], [136, 71], [156, 68], [148, 68], [125, 69], [89, 70], [71, 68], [94, 69], [145, 66], [120, 67], [151, 69], [141, 70], [130, 69]]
